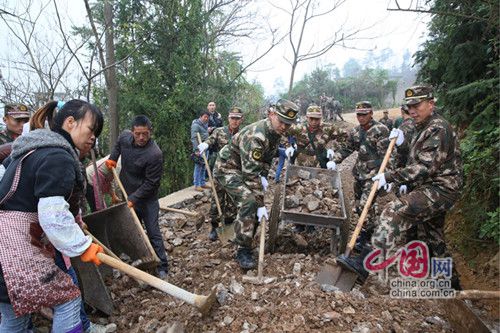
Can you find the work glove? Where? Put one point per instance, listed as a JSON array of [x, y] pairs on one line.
[[403, 189], [202, 147], [397, 133], [130, 204], [262, 212], [382, 182], [331, 165], [289, 152], [264, 182], [90, 254], [329, 153], [110, 164]]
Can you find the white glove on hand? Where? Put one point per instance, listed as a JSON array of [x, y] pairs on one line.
[[202, 147], [263, 181], [262, 212], [329, 153], [289, 152], [381, 180], [331, 165], [403, 189], [397, 133]]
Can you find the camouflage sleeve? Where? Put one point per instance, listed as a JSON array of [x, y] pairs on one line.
[[253, 165], [346, 148], [336, 137], [294, 131], [428, 160], [212, 140]]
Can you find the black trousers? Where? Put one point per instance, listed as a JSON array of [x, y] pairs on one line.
[[147, 211]]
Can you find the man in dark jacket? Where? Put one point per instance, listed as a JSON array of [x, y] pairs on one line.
[[142, 168]]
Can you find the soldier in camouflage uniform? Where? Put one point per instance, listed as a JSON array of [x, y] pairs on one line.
[[433, 170], [15, 116], [386, 120], [315, 141], [369, 139], [218, 139], [241, 170], [408, 129]]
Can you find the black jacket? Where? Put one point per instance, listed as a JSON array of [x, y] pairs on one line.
[[142, 167]]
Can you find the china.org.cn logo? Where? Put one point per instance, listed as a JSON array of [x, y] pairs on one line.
[[419, 275]]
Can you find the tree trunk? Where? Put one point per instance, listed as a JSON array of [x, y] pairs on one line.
[[111, 74], [292, 75]]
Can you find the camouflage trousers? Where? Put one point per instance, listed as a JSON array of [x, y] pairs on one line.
[[362, 190], [245, 224], [227, 207], [423, 208]]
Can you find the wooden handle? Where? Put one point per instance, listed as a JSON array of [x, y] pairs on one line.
[[478, 294], [260, 266], [214, 193], [180, 211], [135, 217], [197, 300], [368, 203]]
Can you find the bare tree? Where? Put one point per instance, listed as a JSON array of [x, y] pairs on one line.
[[36, 54], [302, 14]]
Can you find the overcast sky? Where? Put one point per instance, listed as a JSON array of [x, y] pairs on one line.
[[387, 29]]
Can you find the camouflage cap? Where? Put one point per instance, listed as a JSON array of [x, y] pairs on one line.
[[17, 111], [364, 107], [405, 108], [314, 111], [235, 112], [417, 94], [286, 111]]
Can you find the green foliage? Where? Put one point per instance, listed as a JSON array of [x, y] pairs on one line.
[[460, 59], [171, 73]]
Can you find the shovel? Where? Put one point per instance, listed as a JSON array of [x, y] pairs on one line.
[[199, 218], [136, 218], [259, 279], [338, 276], [225, 232], [201, 302]]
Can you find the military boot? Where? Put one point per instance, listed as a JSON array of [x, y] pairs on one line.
[[213, 234], [245, 259], [355, 264], [362, 240]]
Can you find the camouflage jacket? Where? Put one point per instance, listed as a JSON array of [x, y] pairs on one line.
[[408, 128], [434, 158], [249, 154], [6, 137], [387, 122], [371, 145], [219, 138], [316, 143]]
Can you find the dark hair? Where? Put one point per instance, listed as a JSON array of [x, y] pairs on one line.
[[141, 120], [204, 112], [75, 108]]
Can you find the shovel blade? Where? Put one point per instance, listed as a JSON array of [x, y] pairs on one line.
[[337, 276], [226, 233]]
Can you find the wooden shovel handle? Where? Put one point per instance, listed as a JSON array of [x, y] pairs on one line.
[[478, 294], [214, 193], [98, 242], [135, 217], [180, 211], [368, 203], [190, 298], [260, 266]]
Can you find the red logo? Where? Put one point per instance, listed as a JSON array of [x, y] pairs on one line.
[[413, 260]]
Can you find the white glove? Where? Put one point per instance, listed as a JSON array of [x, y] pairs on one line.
[[329, 153], [262, 212], [289, 152], [403, 189], [381, 180], [263, 181], [331, 165], [397, 133], [202, 147]]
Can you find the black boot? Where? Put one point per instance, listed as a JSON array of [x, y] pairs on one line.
[[299, 228], [362, 240], [244, 257], [213, 234], [355, 264]]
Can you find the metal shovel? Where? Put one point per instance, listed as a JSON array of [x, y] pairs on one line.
[[225, 232], [336, 275]]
